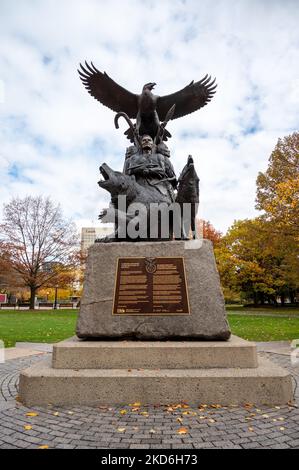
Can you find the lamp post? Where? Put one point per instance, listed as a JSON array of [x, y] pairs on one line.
[[55, 301]]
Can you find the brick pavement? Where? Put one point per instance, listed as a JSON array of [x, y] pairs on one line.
[[146, 427]]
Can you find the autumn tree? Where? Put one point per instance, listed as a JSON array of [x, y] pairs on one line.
[[257, 261], [278, 198], [40, 242], [278, 187], [10, 280], [206, 230]]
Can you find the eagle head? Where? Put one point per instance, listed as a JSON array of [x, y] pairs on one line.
[[149, 86]]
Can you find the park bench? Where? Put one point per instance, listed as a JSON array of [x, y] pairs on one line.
[[66, 305], [45, 305]]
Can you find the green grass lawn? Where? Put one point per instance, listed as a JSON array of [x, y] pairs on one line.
[[264, 328], [239, 309], [50, 326], [40, 326]]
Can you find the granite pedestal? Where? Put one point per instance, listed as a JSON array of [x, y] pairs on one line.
[[121, 359], [207, 319], [121, 372]]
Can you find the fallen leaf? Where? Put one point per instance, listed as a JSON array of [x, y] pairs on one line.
[[250, 429], [184, 405], [144, 413], [135, 409], [136, 404], [70, 412], [282, 428], [123, 412], [281, 419], [27, 427], [277, 407], [185, 412], [56, 413], [129, 370], [44, 447], [265, 416], [248, 405], [274, 419], [31, 414], [121, 429], [202, 417], [182, 431], [152, 431], [212, 420], [180, 420]]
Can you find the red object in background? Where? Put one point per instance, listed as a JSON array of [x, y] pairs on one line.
[[3, 298]]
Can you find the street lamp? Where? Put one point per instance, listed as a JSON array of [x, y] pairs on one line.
[[55, 301]]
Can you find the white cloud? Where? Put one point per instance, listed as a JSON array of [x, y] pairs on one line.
[[56, 135]]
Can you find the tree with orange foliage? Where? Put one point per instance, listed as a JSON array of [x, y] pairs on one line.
[[40, 243], [206, 230]]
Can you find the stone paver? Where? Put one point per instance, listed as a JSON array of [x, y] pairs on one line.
[[146, 427]]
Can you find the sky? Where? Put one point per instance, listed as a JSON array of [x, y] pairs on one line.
[[54, 135]]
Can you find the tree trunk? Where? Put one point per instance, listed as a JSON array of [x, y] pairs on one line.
[[292, 297], [32, 297], [282, 299]]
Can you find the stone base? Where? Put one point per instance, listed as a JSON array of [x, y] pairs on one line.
[[77, 354], [168, 373], [207, 319]]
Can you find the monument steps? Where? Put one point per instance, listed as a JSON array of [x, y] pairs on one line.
[[262, 383], [77, 354]]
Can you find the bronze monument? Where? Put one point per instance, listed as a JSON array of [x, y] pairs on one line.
[[148, 179]]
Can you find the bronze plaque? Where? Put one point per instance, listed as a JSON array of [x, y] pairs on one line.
[[150, 286]]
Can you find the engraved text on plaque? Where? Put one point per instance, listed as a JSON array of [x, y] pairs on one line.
[[150, 286]]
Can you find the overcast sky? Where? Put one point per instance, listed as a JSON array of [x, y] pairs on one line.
[[54, 135]]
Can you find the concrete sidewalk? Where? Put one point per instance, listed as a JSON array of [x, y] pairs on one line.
[[276, 347], [26, 349]]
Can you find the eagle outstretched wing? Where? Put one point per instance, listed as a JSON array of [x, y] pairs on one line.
[[194, 96], [107, 91]]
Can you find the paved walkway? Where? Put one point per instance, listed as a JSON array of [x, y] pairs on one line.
[[137, 426]]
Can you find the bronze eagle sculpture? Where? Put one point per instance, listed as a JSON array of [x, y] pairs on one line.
[[148, 109]]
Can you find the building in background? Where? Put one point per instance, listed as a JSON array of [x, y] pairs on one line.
[[89, 235]]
